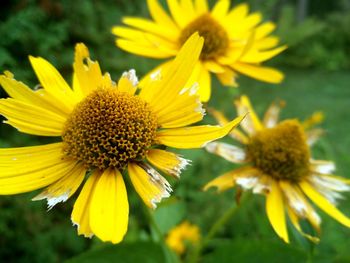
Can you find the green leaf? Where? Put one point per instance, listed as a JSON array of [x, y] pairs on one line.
[[255, 251], [145, 252], [169, 214]]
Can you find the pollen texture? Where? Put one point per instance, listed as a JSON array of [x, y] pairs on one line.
[[281, 152], [216, 40], [109, 129]]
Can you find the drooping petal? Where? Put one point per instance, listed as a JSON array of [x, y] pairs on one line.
[[222, 182], [109, 208], [322, 166], [324, 204], [167, 162], [295, 221], [54, 84], [31, 119], [228, 78], [272, 115], [30, 168], [64, 188], [229, 152], [196, 136], [251, 124], [149, 184], [81, 210], [275, 211], [313, 136]]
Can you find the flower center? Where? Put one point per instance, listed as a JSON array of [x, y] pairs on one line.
[[281, 152], [216, 40], [109, 129]]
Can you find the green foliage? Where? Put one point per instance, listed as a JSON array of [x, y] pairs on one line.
[[146, 252], [315, 42], [255, 251]]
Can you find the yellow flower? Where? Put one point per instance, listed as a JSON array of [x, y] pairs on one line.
[[235, 41], [179, 235], [104, 129], [278, 164]]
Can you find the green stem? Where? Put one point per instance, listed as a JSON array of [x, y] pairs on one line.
[[214, 229], [170, 257]]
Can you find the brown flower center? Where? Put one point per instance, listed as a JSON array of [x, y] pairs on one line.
[[216, 40], [109, 129], [281, 152]]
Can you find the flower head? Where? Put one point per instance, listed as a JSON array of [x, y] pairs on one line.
[[105, 129], [179, 235], [234, 40], [278, 164]]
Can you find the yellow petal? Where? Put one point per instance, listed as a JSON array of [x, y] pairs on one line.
[[257, 56], [152, 27], [22, 171], [109, 208], [20, 91], [159, 15], [220, 9], [324, 204], [64, 188], [186, 109], [177, 74], [251, 124], [177, 13], [275, 211], [223, 182], [264, 30], [201, 77], [81, 210], [149, 184], [88, 72], [228, 78], [167, 162], [54, 84], [201, 6], [128, 82], [213, 66], [222, 120], [266, 74], [142, 50], [196, 136], [22, 112]]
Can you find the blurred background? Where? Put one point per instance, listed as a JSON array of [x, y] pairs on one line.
[[316, 65]]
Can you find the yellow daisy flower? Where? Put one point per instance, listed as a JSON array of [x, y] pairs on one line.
[[179, 235], [278, 164], [104, 129], [235, 41]]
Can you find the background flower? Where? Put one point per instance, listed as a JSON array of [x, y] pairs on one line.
[[235, 41]]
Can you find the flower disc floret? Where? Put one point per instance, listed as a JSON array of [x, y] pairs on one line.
[[108, 129], [216, 40], [281, 152]]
